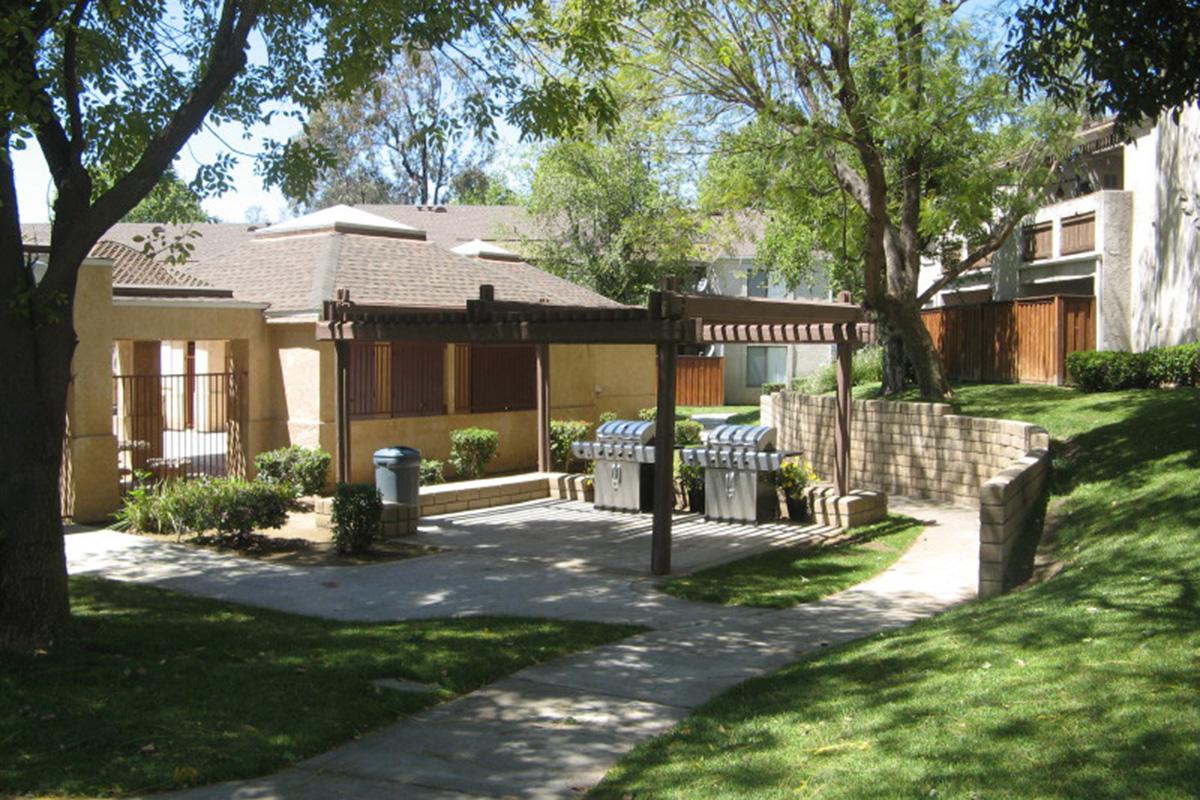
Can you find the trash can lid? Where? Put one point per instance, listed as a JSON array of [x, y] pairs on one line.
[[397, 455]]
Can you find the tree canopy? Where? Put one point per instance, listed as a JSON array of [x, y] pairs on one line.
[[1132, 58], [403, 138], [899, 107]]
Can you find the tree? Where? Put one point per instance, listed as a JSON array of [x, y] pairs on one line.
[[125, 85], [475, 187], [404, 138], [1136, 58], [898, 104], [171, 200], [603, 216]]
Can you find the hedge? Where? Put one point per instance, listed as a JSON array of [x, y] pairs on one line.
[[1113, 370]]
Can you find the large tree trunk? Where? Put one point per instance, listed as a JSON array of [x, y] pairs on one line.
[[908, 349], [36, 360]]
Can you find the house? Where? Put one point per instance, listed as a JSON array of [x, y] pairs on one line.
[[193, 369], [1119, 241], [730, 269]]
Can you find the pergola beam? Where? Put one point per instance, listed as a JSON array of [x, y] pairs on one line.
[[782, 334], [601, 332], [715, 309]]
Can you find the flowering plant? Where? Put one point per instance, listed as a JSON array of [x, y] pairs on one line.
[[794, 475]]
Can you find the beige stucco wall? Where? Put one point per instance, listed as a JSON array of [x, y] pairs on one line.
[[585, 381], [90, 460]]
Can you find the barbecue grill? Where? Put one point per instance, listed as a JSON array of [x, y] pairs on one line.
[[624, 456], [737, 461]]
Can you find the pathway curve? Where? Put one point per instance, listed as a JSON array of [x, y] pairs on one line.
[[550, 730]]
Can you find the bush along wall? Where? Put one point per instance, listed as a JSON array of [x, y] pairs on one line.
[[1113, 370], [562, 433], [357, 515], [304, 467], [471, 449]]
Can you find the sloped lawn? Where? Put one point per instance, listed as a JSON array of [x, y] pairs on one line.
[[154, 690], [1086, 686], [790, 576]]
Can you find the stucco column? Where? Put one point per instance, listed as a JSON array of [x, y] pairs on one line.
[[89, 481], [211, 358], [1114, 301]]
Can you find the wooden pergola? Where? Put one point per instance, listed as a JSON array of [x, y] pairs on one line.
[[670, 319]]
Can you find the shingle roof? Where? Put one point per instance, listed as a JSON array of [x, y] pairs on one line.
[[298, 272], [134, 268], [450, 226]]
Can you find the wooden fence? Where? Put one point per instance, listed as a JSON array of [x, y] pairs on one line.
[[1022, 341], [700, 381]]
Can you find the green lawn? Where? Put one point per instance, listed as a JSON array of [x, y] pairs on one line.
[[1086, 686], [742, 415], [787, 577], [154, 690]]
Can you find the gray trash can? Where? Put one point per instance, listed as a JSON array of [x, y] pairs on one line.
[[398, 474]]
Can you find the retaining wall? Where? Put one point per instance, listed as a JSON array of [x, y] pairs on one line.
[[925, 450]]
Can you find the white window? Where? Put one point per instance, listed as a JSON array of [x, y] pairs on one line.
[[765, 365]]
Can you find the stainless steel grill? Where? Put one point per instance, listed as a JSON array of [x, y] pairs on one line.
[[624, 456], [737, 460]]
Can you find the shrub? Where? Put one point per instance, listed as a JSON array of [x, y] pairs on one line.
[[303, 467], [431, 472], [471, 449], [1110, 370], [1088, 370], [691, 476], [687, 431], [866, 367], [357, 512], [648, 414], [139, 509], [772, 388], [1179, 365], [236, 508], [607, 416], [562, 433]]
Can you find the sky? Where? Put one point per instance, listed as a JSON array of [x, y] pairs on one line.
[[34, 187]]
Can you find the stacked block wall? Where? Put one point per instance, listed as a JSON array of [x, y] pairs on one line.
[[925, 450]]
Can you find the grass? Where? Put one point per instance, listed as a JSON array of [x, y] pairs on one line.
[[788, 577], [153, 690], [742, 415], [1085, 686]]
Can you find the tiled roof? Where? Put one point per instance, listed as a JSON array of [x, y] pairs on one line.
[[296, 273], [213, 238], [134, 268]]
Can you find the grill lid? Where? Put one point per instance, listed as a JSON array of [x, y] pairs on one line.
[[624, 430], [747, 437]]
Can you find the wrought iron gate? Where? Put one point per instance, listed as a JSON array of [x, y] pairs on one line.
[[174, 427]]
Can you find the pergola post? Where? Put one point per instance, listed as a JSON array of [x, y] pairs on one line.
[[845, 377], [664, 444], [341, 406], [542, 350]]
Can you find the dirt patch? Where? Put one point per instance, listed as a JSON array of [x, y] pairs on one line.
[[302, 542]]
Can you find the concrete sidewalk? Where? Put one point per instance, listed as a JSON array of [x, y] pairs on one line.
[[551, 730]]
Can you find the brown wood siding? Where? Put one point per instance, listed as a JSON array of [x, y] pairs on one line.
[[700, 381], [503, 377], [1022, 341], [397, 379], [1079, 234], [418, 379], [1037, 241]]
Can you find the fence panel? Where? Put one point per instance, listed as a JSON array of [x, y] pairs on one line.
[[1023, 340], [700, 381]]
